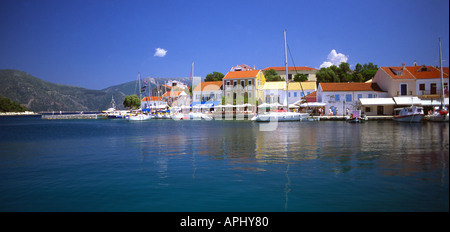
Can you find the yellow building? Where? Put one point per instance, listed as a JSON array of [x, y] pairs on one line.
[[309, 72], [275, 91], [244, 84]]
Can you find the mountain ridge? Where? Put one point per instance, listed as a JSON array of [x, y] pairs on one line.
[[39, 95]]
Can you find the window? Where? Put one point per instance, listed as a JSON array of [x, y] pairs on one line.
[[367, 109], [422, 87], [234, 83], [359, 96], [337, 97], [403, 89], [242, 83], [289, 94], [228, 83], [370, 95], [250, 82], [295, 94], [348, 98]]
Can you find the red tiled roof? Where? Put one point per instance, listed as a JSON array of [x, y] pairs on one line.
[[337, 87], [152, 99], [426, 72], [241, 74], [208, 85], [415, 72], [172, 94], [291, 68]]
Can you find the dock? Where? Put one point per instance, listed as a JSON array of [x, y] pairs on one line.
[[69, 116], [343, 118]]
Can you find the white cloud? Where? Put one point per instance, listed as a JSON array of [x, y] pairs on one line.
[[160, 52], [334, 58]]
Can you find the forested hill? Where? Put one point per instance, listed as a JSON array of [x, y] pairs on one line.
[[39, 95]]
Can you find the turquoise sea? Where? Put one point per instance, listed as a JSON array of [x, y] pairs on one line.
[[222, 166]]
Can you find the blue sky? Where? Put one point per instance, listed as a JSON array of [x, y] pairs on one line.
[[99, 43]]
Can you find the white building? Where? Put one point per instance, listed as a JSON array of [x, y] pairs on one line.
[[339, 97], [210, 91]]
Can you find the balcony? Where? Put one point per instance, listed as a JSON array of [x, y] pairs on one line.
[[238, 88], [405, 93]]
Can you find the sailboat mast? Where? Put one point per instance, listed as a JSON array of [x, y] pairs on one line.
[[442, 75], [139, 81], [287, 75]]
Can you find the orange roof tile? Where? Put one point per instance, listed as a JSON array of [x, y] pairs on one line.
[[291, 68], [152, 99], [337, 87], [426, 72], [172, 94], [241, 74], [415, 72], [208, 86]]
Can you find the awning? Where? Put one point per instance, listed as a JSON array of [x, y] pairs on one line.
[[434, 102], [376, 101], [407, 101], [204, 105], [313, 104]]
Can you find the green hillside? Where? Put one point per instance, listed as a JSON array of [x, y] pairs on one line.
[[39, 95]]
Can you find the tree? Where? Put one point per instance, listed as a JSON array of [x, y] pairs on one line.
[[215, 76], [271, 75], [132, 101], [343, 73], [327, 75], [6, 105], [300, 77]]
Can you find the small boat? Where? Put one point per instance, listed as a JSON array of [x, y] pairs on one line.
[[281, 116], [139, 117], [409, 114], [439, 115], [199, 116], [356, 117]]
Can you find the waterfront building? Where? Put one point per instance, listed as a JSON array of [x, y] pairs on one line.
[[338, 97], [176, 98], [209, 92], [275, 91], [292, 71], [240, 85], [421, 81], [414, 82], [152, 102]]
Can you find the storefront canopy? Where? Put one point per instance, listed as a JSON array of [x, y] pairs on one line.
[[407, 101], [376, 101]]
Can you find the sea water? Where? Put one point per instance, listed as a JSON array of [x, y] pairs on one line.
[[222, 166]]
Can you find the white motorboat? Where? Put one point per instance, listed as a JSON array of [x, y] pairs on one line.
[[409, 114], [280, 116], [139, 117], [199, 116]]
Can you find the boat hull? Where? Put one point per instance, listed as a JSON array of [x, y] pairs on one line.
[[438, 118], [139, 118], [280, 117], [409, 118]]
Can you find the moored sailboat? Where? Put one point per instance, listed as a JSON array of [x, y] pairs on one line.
[[440, 114], [139, 116], [282, 115]]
